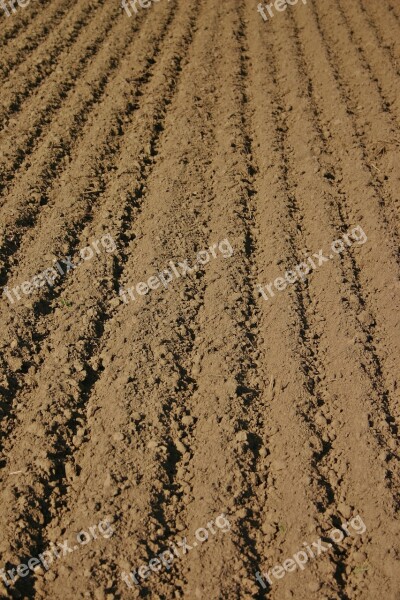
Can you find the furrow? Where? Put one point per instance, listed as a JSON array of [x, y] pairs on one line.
[[373, 321], [21, 141], [60, 146], [247, 417], [380, 150], [173, 360], [170, 64], [378, 138], [27, 19], [44, 60], [380, 69], [19, 51], [290, 466], [292, 119], [376, 421], [385, 30], [228, 425], [91, 185]]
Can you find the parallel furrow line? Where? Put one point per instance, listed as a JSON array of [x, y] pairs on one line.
[[385, 198], [103, 315], [20, 51], [28, 77], [26, 20], [247, 380], [23, 140], [368, 344], [353, 270], [383, 32], [53, 162], [378, 67], [310, 353]]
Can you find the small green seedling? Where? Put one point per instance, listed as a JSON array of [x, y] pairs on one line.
[[67, 303], [361, 568], [282, 528]]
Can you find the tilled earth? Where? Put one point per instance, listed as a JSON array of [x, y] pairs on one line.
[[186, 124]]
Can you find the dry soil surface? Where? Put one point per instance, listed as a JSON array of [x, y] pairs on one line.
[[192, 122]]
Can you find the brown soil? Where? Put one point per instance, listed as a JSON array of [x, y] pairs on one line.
[[186, 124]]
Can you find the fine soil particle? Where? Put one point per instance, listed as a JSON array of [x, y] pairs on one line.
[[186, 124]]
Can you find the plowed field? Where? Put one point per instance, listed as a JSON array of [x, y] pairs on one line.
[[226, 428]]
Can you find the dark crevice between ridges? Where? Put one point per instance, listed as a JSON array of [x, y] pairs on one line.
[[63, 449], [378, 36], [350, 270], [309, 347], [33, 139], [27, 18], [249, 395], [50, 62], [385, 103], [33, 42], [345, 97]]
